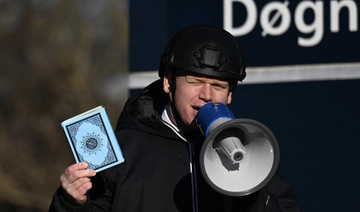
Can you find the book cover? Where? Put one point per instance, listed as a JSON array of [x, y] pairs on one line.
[[92, 139]]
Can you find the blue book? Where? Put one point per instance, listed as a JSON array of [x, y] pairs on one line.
[[92, 139]]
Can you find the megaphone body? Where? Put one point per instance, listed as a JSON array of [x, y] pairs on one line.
[[238, 156]]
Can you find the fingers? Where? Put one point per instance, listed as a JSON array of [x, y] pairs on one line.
[[79, 195], [76, 171], [76, 181], [71, 169]]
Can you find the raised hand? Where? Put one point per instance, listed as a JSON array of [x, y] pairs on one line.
[[76, 182]]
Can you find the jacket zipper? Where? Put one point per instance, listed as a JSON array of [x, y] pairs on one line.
[[193, 177], [192, 166]]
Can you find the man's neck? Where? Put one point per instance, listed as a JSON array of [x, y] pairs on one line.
[[166, 117], [170, 117], [174, 118]]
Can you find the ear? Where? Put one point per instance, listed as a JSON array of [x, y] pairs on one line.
[[229, 98], [167, 80]]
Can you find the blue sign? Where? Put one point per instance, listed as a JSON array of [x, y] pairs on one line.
[[271, 33]]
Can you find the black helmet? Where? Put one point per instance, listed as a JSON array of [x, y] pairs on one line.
[[206, 50]]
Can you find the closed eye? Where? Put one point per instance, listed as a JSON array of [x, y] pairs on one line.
[[219, 86]]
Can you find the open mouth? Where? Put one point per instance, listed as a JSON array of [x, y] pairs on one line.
[[196, 108]]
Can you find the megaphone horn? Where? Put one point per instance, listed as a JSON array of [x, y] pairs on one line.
[[238, 156]]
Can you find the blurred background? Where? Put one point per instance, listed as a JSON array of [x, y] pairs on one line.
[[58, 58]]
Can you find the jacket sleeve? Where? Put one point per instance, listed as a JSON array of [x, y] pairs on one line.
[[99, 199], [276, 196], [279, 194]]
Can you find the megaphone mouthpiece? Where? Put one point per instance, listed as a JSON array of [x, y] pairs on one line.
[[211, 115]]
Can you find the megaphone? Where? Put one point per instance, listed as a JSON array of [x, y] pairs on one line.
[[238, 156]]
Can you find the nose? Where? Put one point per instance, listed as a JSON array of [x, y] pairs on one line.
[[206, 93]]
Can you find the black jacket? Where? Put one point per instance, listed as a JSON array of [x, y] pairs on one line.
[[156, 175]]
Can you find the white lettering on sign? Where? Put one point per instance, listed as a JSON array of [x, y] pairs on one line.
[[250, 21], [316, 27], [283, 14], [335, 10]]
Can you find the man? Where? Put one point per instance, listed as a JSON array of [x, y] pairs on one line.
[[160, 140]]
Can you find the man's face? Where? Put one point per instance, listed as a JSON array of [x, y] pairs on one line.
[[192, 92]]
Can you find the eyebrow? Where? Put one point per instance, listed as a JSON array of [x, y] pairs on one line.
[[207, 78], [204, 79], [183, 73]]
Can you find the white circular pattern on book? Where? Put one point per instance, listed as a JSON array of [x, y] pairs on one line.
[[92, 146]]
